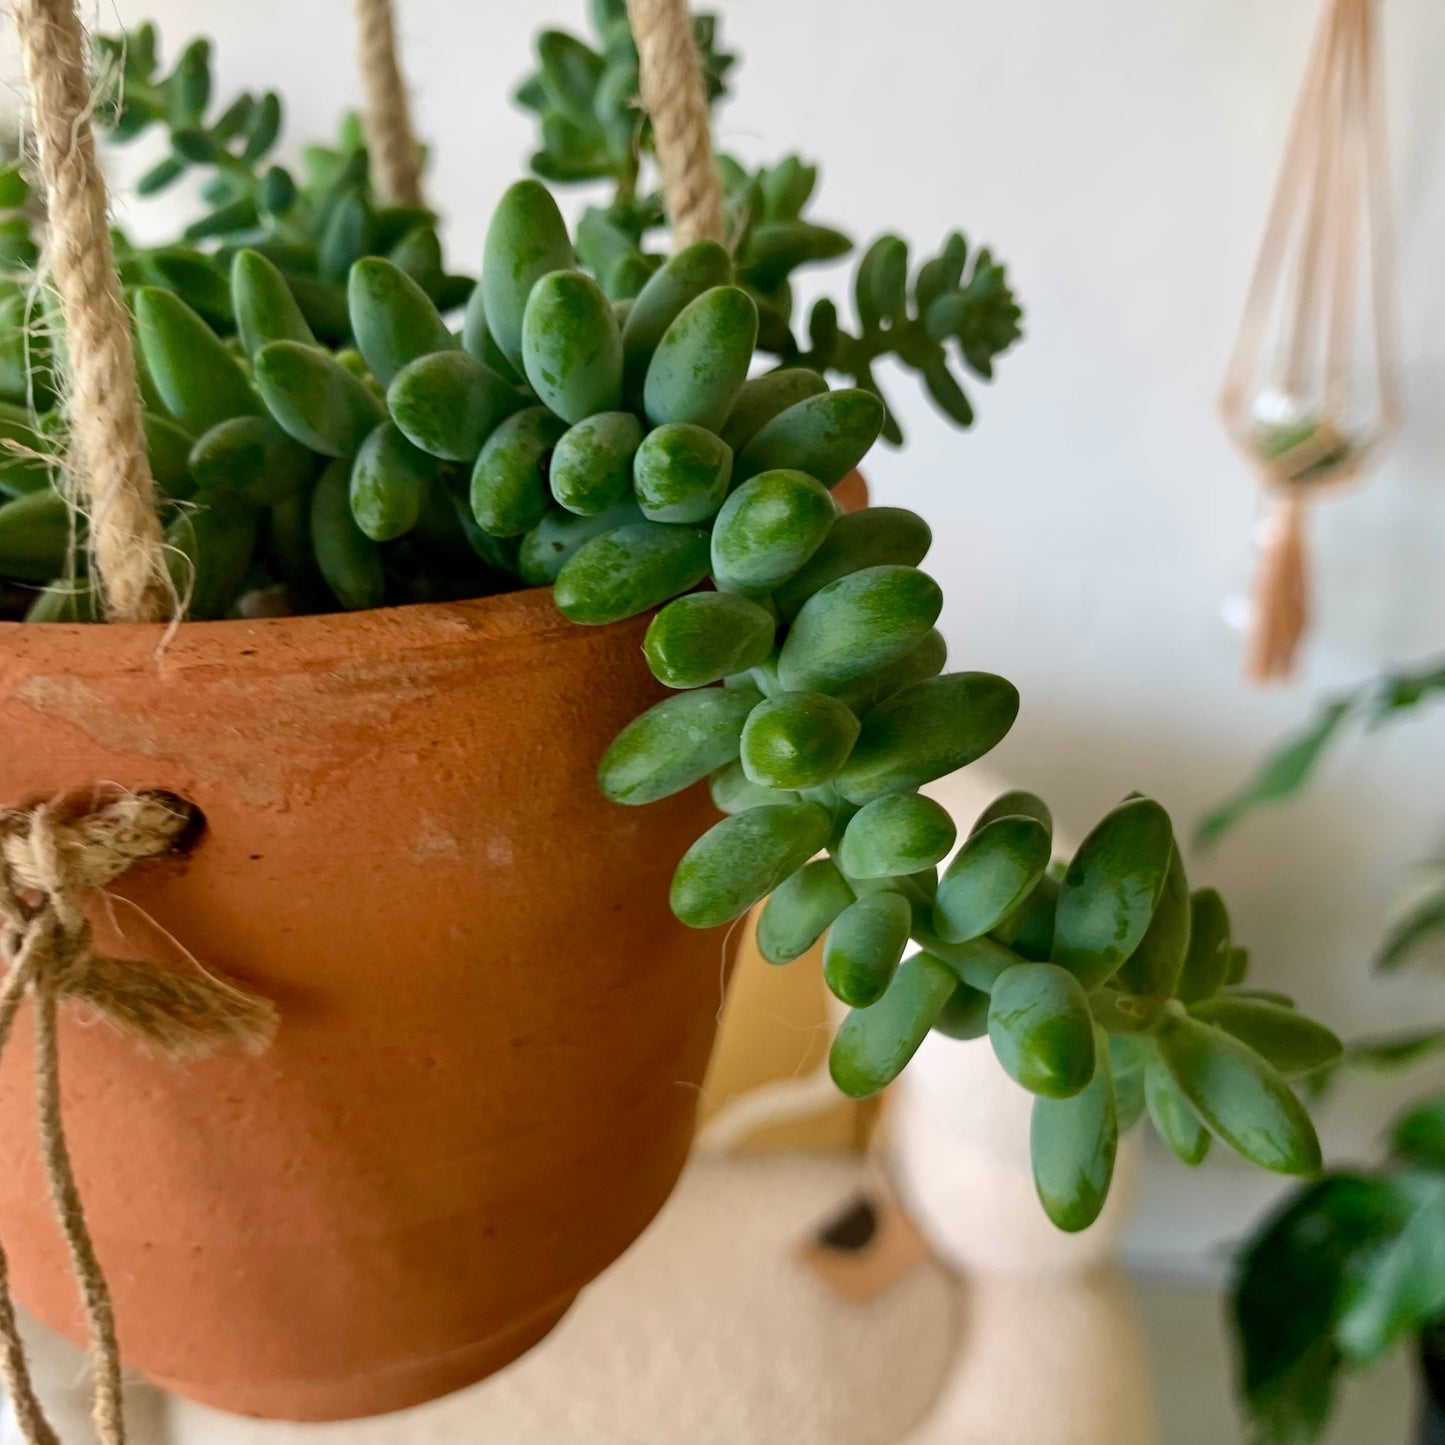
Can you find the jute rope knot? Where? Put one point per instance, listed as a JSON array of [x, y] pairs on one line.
[[52, 855], [675, 96]]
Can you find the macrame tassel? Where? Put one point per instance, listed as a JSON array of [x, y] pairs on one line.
[[1281, 596]]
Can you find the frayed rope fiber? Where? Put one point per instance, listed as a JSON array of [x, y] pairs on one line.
[[52, 855], [674, 95], [107, 452]]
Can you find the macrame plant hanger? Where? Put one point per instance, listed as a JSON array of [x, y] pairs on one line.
[[56, 854], [1312, 392]]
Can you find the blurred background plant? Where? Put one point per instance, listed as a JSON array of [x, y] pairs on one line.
[[1352, 1266]]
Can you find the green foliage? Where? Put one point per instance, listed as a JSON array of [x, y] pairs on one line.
[[1291, 766], [1353, 1264], [327, 442], [955, 315], [1288, 770], [313, 227], [1347, 1269]]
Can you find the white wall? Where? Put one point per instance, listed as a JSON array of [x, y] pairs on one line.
[[1120, 155]]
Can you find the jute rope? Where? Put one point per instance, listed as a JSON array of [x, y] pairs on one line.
[[51, 857], [107, 444], [674, 95], [386, 115], [1331, 194]]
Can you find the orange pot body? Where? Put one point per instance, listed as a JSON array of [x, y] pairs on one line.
[[493, 1030]]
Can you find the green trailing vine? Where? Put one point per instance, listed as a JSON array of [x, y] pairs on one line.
[[1290, 767], [1353, 1265], [956, 314], [628, 451]]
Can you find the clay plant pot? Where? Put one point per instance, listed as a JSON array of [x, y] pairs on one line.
[[493, 1030]]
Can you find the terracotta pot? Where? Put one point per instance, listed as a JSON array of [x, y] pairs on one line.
[[492, 1028]]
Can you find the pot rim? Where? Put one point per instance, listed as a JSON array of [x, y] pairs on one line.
[[500, 619]]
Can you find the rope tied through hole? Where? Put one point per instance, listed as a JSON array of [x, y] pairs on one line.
[[52, 855]]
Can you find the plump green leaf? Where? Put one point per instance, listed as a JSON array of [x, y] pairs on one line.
[[732, 790], [980, 962], [1014, 804], [679, 281], [965, 1015], [857, 624], [1029, 929], [800, 909], [509, 493], [1153, 970], [864, 947], [768, 529], [743, 858], [825, 436], [902, 833], [680, 473], [875, 1043], [1239, 1097], [392, 318], [591, 467], [1041, 1029], [631, 570], [315, 399], [919, 664], [764, 397], [872, 537], [706, 636], [1174, 1121], [210, 551], [1209, 955], [264, 306], [572, 346], [251, 457], [527, 238], [797, 739], [559, 536], [35, 537], [449, 403], [990, 876], [349, 561], [390, 479], [701, 363], [673, 744], [1287, 1040], [198, 379], [1073, 1143], [928, 731], [1111, 890]]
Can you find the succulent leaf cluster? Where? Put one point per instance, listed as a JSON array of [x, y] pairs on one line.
[[313, 226], [954, 317], [626, 450]]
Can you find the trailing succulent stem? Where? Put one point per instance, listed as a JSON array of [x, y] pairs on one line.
[[626, 451], [957, 312]]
